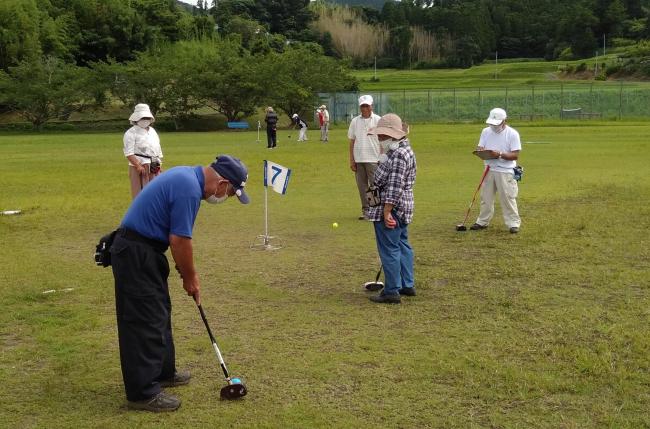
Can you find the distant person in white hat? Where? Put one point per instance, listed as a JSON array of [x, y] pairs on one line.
[[505, 145], [324, 120], [142, 149], [364, 149], [297, 122]]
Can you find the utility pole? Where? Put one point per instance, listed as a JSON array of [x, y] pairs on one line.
[[375, 68]]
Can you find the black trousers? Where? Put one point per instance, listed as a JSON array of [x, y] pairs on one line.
[[143, 310], [271, 136]]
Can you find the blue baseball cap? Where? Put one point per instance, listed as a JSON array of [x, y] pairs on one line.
[[234, 171]]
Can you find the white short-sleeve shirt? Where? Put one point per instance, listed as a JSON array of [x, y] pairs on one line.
[[366, 148], [505, 141], [137, 140]]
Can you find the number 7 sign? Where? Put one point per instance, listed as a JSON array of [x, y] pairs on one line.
[[276, 176]]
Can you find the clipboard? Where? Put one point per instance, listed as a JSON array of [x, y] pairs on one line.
[[484, 154]]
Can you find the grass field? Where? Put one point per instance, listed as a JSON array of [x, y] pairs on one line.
[[528, 90], [512, 73], [547, 328]]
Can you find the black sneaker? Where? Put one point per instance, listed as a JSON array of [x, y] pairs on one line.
[[386, 299], [407, 291], [362, 218], [157, 404], [514, 230], [477, 227], [179, 379]]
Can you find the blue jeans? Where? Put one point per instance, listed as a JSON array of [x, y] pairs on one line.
[[396, 256]]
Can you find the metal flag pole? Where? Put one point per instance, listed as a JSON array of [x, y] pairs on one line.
[[266, 215], [259, 125], [263, 242]]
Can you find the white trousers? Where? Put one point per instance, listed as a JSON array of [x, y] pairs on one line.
[[506, 185], [302, 136], [324, 132]]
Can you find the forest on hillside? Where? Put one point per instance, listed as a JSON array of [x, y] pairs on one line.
[[466, 32], [409, 33]]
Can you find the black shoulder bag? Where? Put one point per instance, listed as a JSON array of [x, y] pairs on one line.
[[103, 250]]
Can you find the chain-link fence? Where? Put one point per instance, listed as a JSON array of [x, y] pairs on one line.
[[534, 103]]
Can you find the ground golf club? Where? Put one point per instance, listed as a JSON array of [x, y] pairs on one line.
[[461, 226], [376, 285], [235, 388]]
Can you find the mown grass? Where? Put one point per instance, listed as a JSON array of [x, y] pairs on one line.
[[548, 328], [508, 74]]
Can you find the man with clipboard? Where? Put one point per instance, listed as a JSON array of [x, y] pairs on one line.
[[499, 147]]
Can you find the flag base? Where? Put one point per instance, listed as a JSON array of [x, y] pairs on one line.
[[263, 242]]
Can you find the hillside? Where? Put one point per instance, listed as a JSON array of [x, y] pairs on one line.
[[376, 4], [185, 6]]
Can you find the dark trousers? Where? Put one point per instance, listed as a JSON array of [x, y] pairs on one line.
[[271, 136], [143, 310]]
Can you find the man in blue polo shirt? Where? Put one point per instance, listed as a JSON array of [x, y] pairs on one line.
[[162, 216]]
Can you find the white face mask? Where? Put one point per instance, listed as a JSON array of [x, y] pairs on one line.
[[144, 123], [213, 199], [390, 144], [497, 128]]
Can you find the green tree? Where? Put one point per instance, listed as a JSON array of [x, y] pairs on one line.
[[230, 81], [294, 78], [614, 18], [183, 94], [170, 86], [576, 29], [45, 89], [287, 17], [20, 33]]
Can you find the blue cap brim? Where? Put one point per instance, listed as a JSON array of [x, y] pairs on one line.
[[242, 196]]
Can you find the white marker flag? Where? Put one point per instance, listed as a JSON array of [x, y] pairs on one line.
[[276, 176]]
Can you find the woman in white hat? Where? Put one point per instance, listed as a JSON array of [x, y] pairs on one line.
[[142, 149]]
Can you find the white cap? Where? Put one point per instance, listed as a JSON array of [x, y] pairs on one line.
[[295, 115], [365, 99], [141, 111], [497, 116]]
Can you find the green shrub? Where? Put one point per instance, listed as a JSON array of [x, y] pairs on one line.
[[620, 42], [426, 65], [569, 68], [565, 55], [612, 69]]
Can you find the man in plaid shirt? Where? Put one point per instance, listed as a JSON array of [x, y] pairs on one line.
[[391, 216]]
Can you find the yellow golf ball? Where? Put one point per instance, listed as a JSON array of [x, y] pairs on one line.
[[335, 225]]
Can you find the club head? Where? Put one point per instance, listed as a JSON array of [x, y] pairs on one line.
[[234, 390], [373, 286], [461, 227]]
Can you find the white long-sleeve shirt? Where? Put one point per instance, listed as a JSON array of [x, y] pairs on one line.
[[138, 141]]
